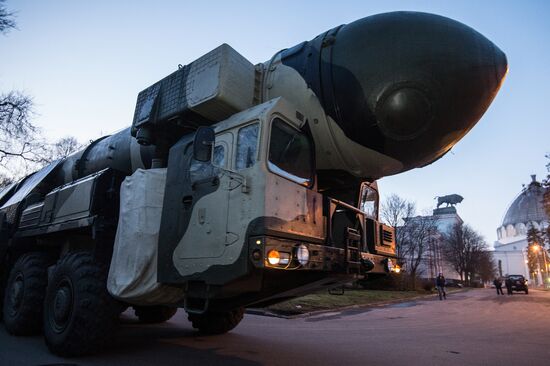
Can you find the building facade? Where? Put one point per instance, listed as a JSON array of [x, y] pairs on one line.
[[526, 210], [442, 221]]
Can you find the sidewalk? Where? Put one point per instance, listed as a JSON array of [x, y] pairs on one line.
[[293, 313]]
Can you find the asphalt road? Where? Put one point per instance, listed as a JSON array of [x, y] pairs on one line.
[[469, 328]]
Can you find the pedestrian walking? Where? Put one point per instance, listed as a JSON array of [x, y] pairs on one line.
[[498, 284], [508, 284], [440, 285]]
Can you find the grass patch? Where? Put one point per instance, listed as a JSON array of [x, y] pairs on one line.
[[325, 301]]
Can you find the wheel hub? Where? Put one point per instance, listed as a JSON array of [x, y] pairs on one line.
[[16, 294], [62, 304]]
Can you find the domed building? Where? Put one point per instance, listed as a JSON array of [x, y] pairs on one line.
[[510, 248]]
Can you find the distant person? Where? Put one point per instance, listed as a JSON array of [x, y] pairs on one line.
[[440, 285], [498, 284], [508, 284]]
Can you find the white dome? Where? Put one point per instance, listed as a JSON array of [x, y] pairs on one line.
[[527, 209]]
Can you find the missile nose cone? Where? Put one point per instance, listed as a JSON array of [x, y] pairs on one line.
[[405, 84], [501, 64], [426, 80]]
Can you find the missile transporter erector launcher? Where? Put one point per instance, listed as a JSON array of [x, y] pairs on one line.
[[240, 184]]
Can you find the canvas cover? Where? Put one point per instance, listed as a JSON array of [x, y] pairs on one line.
[[133, 271]]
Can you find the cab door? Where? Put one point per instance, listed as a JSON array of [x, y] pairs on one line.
[[206, 235]]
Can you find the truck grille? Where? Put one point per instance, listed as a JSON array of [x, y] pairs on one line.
[[387, 236]]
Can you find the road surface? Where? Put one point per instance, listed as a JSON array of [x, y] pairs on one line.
[[469, 328]]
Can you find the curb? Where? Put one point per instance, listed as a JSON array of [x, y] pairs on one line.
[[269, 313]]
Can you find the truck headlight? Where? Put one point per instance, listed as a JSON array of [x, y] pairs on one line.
[[274, 257], [302, 254]]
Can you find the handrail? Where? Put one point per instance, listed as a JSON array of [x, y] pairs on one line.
[[347, 205]]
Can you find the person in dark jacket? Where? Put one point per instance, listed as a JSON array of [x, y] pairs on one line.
[[508, 284], [498, 285], [440, 285]]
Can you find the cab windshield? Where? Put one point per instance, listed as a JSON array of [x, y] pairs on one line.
[[290, 153]]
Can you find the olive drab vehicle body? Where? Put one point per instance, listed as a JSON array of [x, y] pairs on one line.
[[241, 184]]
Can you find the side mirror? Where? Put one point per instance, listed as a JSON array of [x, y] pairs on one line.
[[203, 144]]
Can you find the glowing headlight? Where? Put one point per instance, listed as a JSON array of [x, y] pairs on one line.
[[302, 254], [273, 257]]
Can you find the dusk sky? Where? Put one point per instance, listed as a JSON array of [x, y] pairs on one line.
[[85, 61]]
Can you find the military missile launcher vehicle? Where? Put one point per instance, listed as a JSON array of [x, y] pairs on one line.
[[240, 184]]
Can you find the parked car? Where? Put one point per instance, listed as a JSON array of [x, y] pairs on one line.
[[519, 283], [453, 283]]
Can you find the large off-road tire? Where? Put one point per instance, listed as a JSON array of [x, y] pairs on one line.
[[80, 317], [24, 294], [154, 314], [2, 289], [216, 322]]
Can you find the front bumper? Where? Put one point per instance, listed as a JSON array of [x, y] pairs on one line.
[[519, 288], [321, 257]]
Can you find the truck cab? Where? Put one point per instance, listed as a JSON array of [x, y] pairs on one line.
[[252, 222]]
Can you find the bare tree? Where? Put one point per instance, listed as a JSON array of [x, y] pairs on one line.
[[7, 19], [19, 137], [463, 249], [417, 233], [63, 148], [22, 148], [393, 211], [20, 141], [5, 181], [485, 267]]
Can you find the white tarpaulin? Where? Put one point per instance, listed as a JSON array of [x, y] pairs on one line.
[[133, 272]]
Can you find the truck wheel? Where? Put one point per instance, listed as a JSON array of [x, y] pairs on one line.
[[2, 288], [80, 317], [216, 322], [526, 291], [154, 314], [24, 294]]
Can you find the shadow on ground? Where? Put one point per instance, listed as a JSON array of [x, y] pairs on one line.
[[165, 345], [517, 297]]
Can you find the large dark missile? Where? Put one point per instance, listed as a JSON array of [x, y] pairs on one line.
[[402, 88], [407, 85]]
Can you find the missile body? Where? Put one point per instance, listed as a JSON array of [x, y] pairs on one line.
[[397, 90], [119, 151], [382, 95]]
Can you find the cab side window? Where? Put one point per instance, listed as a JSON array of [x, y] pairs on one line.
[[247, 145], [218, 158], [369, 202], [203, 170]]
